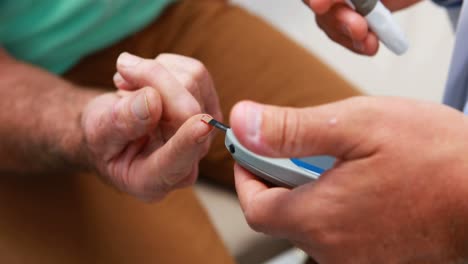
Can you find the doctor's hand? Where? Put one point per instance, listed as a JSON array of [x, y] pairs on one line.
[[147, 138], [348, 28], [398, 193]]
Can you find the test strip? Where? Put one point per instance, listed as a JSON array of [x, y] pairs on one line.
[[213, 122]]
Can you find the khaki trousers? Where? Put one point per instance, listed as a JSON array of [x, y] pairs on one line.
[[78, 219]]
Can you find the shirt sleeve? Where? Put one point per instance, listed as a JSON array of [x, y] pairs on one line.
[[453, 8]]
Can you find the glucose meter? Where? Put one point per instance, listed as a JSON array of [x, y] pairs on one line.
[[282, 172]]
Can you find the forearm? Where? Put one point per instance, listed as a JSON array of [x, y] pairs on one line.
[[39, 119]]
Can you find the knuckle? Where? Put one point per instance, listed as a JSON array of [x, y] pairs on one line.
[[191, 83], [198, 73], [150, 71], [198, 68]]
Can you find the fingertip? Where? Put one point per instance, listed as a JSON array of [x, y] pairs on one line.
[[118, 79], [246, 121], [358, 26], [199, 129], [127, 60], [350, 23], [371, 44], [136, 114], [121, 83], [236, 115]]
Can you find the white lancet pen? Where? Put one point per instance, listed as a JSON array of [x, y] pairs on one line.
[[382, 22]]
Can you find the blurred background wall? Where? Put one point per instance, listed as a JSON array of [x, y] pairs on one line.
[[420, 73]]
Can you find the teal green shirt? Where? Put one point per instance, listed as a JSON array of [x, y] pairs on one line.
[[55, 34]]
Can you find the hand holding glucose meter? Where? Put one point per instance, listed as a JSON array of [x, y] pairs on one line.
[[281, 172]]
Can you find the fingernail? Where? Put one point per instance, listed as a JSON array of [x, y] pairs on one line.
[[346, 30], [203, 125], [140, 107], [253, 114], [118, 78], [128, 60], [358, 45]]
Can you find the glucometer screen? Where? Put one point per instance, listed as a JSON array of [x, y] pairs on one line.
[[317, 164]]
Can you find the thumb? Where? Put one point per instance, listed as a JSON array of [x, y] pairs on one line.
[[336, 129], [110, 122]]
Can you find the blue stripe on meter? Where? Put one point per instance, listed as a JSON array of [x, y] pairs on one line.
[[307, 166], [316, 164]]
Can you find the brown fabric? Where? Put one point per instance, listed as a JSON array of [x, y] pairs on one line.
[[77, 219], [81, 220]]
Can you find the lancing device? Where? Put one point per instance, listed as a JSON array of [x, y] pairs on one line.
[[281, 172], [381, 22]]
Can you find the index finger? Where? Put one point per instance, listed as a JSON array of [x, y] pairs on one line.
[[266, 209], [178, 103], [193, 70]]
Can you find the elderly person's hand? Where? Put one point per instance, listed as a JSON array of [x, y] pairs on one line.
[[398, 193], [348, 28], [148, 137]]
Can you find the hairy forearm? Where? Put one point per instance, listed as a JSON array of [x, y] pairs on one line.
[[39, 120]]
